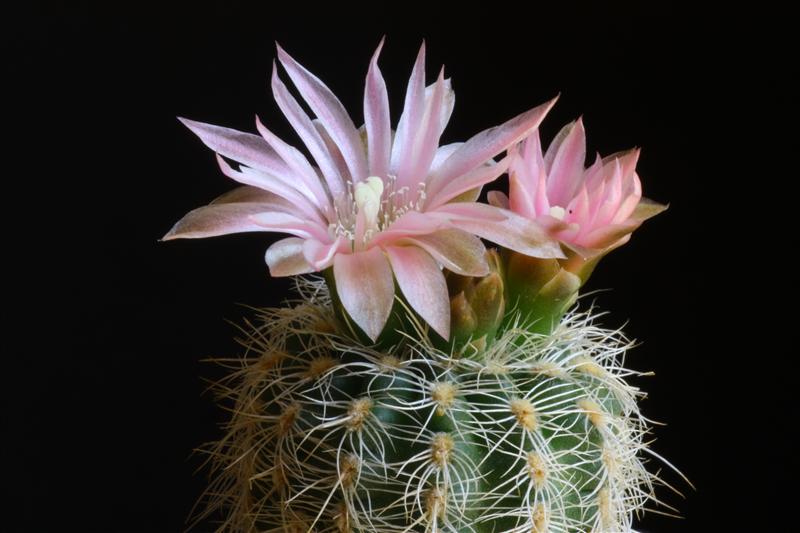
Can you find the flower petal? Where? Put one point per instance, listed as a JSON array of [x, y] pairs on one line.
[[273, 184], [423, 285], [365, 287], [606, 235], [305, 128], [505, 228], [377, 120], [475, 178], [487, 144], [330, 112], [413, 108], [248, 194], [448, 103], [288, 223], [305, 176], [410, 224], [217, 219], [336, 154], [566, 168], [425, 142], [285, 258], [320, 255], [244, 148], [442, 154], [468, 211], [456, 250], [498, 199]]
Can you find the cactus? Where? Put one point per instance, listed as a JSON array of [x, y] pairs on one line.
[[423, 383], [521, 432]]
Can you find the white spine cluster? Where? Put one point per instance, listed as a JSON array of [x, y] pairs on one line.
[[535, 434]]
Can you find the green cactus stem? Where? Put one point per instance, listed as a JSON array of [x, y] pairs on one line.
[[535, 430]]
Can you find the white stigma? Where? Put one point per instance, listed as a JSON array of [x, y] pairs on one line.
[[558, 212], [368, 195]]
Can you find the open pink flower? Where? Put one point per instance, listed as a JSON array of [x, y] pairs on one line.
[[589, 209], [378, 205]]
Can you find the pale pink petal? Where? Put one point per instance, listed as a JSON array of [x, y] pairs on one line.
[[594, 174], [305, 176], [448, 103], [365, 287], [423, 285], [627, 160], [408, 126], [273, 184], [288, 223], [244, 148], [426, 139], [527, 183], [505, 228], [456, 250], [330, 112], [248, 194], [217, 219], [612, 197], [376, 119], [566, 168], [626, 209], [524, 202], [410, 224], [606, 235], [629, 202], [595, 202], [333, 150], [578, 209], [522, 186], [320, 254], [305, 128], [285, 258], [541, 202], [471, 180], [555, 144], [468, 211], [498, 199], [442, 153], [485, 145]]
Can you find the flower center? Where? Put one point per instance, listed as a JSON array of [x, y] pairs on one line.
[[373, 205]]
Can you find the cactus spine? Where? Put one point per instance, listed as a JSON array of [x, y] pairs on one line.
[[523, 422]]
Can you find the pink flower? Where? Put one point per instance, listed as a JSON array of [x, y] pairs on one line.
[[589, 209], [377, 205]]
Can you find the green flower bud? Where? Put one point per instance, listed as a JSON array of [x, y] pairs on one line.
[[541, 289], [477, 306]]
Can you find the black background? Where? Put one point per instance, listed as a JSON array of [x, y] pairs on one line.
[[103, 397]]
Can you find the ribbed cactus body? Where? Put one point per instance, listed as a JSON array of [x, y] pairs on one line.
[[530, 432]]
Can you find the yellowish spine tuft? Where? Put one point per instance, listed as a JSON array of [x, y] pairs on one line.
[[443, 394], [358, 412], [525, 413]]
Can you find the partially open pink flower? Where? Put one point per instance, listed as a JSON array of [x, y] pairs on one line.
[[588, 209], [377, 205]]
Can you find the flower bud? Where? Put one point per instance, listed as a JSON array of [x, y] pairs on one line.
[[477, 305], [542, 290]]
